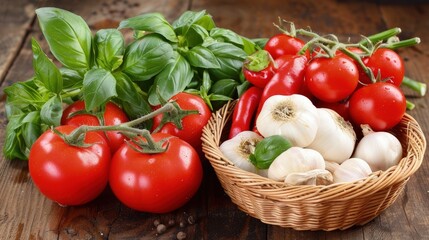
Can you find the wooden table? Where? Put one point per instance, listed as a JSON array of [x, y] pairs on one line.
[[26, 214]]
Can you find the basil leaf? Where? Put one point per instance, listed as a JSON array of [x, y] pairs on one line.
[[242, 88], [173, 79], [260, 42], [188, 18], [45, 69], [71, 78], [109, 48], [31, 130], [99, 86], [52, 111], [68, 36], [230, 58], [14, 141], [226, 35], [225, 87], [196, 35], [146, 57], [131, 97], [151, 22], [22, 96], [249, 46], [267, 150], [202, 57]]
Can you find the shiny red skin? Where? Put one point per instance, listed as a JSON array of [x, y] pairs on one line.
[[260, 78], [332, 79], [288, 80], [388, 63], [113, 115], [156, 183], [380, 105], [193, 124], [282, 44], [244, 111], [67, 174]]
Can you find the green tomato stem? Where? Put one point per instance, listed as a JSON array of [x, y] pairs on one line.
[[404, 43], [75, 138], [410, 105], [414, 85], [380, 36]]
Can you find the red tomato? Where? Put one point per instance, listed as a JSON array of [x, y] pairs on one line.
[[156, 183], [67, 174], [282, 44], [332, 79], [381, 105], [192, 124], [386, 62], [113, 115]]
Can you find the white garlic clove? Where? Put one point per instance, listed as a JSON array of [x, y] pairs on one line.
[[381, 150], [352, 170], [312, 177], [294, 117], [335, 138], [331, 166], [295, 160], [238, 149]]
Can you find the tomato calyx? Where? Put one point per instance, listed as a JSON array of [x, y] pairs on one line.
[[174, 116]]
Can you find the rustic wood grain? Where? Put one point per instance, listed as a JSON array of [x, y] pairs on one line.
[[26, 214]]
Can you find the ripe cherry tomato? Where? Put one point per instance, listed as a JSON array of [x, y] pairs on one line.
[[386, 62], [381, 105], [113, 115], [332, 79], [282, 44], [192, 124], [156, 183], [67, 174]]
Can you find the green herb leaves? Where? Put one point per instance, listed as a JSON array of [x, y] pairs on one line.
[[192, 45], [68, 36], [163, 59]]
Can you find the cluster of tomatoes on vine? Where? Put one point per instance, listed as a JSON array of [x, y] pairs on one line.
[[156, 170], [361, 81]]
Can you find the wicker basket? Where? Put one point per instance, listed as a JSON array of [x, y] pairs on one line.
[[336, 206]]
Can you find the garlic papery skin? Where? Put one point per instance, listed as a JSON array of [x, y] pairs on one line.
[[312, 177], [381, 150], [335, 138], [293, 117], [295, 160], [352, 170], [238, 149]]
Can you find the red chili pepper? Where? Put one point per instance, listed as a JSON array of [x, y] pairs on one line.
[[258, 68], [244, 111], [288, 80]]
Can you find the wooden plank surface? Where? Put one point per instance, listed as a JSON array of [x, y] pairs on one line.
[[26, 214]]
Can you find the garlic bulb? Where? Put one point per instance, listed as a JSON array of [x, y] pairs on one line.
[[381, 150], [293, 117], [331, 166], [312, 177], [335, 138], [351, 170], [238, 149], [295, 160]]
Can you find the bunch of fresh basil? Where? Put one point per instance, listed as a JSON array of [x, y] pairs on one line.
[[191, 54]]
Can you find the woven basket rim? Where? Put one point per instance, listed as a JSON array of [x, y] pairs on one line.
[[278, 191]]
